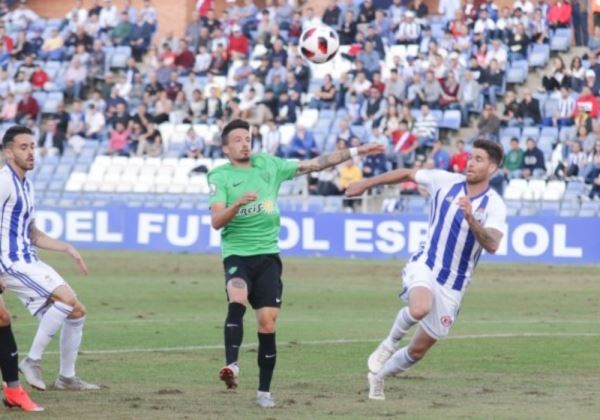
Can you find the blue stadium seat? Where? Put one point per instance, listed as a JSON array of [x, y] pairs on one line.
[[451, 119], [533, 132]]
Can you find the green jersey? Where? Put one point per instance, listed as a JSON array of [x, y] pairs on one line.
[[255, 228]]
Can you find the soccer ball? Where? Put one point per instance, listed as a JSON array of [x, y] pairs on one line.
[[319, 44]]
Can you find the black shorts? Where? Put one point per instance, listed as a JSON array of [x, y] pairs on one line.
[[262, 274]]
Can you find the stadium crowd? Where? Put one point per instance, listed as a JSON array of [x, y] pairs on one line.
[[102, 75]]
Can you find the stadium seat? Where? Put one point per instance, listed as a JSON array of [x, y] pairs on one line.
[[535, 189], [515, 189], [287, 133], [531, 132], [451, 119]]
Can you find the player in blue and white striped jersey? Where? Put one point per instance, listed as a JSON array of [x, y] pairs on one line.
[[466, 218], [41, 289]]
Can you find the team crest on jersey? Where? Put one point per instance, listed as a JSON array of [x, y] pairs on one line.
[[446, 321], [479, 215]]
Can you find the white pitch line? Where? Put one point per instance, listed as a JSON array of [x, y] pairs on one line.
[[323, 342], [370, 320]]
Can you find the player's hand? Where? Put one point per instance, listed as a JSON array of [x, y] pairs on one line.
[[464, 203], [78, 259], [246, 198], [356, 189], [370, 149]]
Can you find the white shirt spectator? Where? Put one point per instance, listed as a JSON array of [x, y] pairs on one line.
[[21, 87], [483, 25], [75, 73], [448, 8], [149, 13], [21, 17], [566, 106], [258, 88], [6, 86], [202, 62], [425, 125], [408, 30], [361, 86], [499, 54], [526, 6], [95, 122], [109, 17], [271, 141], [81, 15]]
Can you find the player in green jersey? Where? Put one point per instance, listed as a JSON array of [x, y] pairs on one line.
[[243, 200]]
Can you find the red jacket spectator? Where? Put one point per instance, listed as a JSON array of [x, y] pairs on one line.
[[185, 59], [403, 141], [560, 13], [28, 106], [587, 103], [238, 42], [118, 140], [458, 162], [39, 78]]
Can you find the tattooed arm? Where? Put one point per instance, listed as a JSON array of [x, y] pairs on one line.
[[488, 238], [326, 161]]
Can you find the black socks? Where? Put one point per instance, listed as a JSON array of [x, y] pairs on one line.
[[267, 356], [234, 331]]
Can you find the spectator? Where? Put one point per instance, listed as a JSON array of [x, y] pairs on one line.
[[121, 33], [534, 165], [348, 29], [468, 96], [343, 131], [513, 162], [395, 86], [488, 124], [529, 109], [303, 145], [576, 160], [193, 145], [493, 80], [559, 15], [21, 17], [9, 109], [578, 74], [426, 128], [586, 108], [53, 47], [432, 91], [563, 117], [409, 31], [458, 161], [150, 143], [213, 106], [95, 123], [76, 121], [498, 53], [27, 108], [373, 109], [594, 42], [331, 15], [119, 141], [370, 59], [39, 78], [558, 78], [349, 172], [271, 142], [51, 141], [450, 88], [415, 95], [404, 145], [109, 16], [139, 38], [185, 58], [75, 78], [439, 158]]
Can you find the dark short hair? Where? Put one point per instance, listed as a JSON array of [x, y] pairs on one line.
[[14, 131], [493, 150], [233, 125]]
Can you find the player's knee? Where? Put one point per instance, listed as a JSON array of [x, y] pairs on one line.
[[417, 353], [4, 318], [266, 326], [419, 310], [79, 311]]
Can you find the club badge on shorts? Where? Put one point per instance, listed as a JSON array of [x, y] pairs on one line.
[[446, 321]]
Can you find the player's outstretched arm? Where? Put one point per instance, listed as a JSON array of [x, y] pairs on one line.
[[43, 241], [392, 177], [326, 161], [488, 238], [220, 214]]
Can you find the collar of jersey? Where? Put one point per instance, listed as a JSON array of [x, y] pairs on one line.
[[478, 195]]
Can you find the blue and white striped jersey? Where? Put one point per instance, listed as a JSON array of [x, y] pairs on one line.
[[451, 250], [16, 214]]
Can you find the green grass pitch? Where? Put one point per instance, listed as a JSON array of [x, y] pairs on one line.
[[526, 343]]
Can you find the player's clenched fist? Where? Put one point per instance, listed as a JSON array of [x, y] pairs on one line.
[[464, 203], [246, 198], [370, 149], [356, 188]]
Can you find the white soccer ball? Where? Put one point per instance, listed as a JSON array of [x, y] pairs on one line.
[[319, 44]]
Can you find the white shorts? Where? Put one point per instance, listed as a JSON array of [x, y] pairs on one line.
[[32, 283], [445, 305]]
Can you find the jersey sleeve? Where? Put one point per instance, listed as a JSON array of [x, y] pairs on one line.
[[217, 186], [496, 215], [286, 168], [435, 179], [4, 189]]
